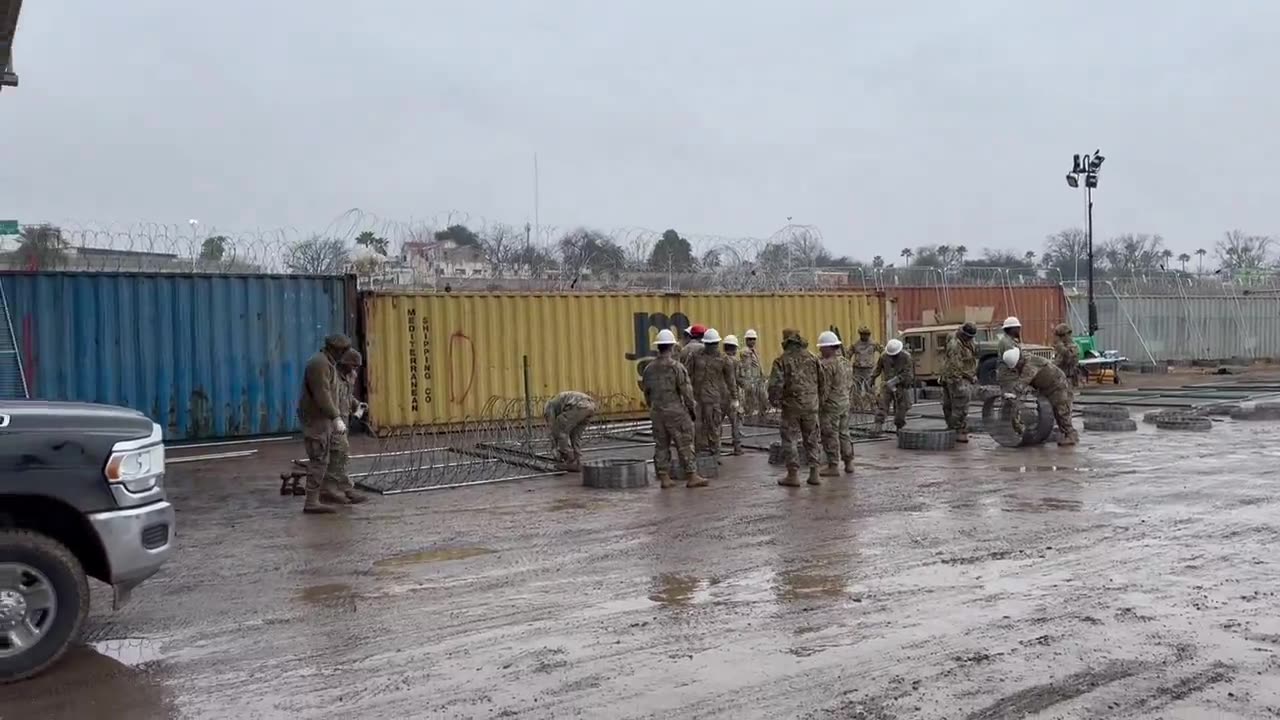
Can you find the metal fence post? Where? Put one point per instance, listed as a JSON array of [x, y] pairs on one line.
[[528, 402]]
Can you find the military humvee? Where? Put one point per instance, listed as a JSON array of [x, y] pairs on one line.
[[928, 343]]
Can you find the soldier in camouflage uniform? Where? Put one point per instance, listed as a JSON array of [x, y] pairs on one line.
[[693, 345], [1066, 354], [715, 385], [833, 405], [899, 373], [669, 395], [862, 357], [755, 401], [794, 387], [734, 409], [336, 478], [959, 375], [1041, 375], [567, 416], [1010, 337], [320, 416]]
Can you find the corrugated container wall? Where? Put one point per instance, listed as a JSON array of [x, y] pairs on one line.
[[1039, 307], [435, 359], [1148, 329], [206, 356]]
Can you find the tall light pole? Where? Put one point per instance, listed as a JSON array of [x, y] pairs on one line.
[[1088, 167]]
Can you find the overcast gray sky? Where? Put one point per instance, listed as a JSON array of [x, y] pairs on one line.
[[884, 124]]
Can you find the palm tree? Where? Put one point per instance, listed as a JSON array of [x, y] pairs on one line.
[[1030, 256], [1167, 254], [906, 253], [961, 251], [42, 247], [1184, 259], [1201, 252], [944, 255], [877, 262]]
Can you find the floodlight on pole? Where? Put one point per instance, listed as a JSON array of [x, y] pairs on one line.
[[1088, 165]]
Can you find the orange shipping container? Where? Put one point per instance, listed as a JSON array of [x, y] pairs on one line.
[[1039, 307]]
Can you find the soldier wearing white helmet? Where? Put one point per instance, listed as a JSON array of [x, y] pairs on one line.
[[1047, 379], [897, 368], [755, 399], [669, 395], [1010, 338], [714, 386], [734, 409], [835, 377]]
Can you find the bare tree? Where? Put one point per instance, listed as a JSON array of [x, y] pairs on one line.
[[501, 247], [806, 247], [1133, 253], [584, 249], [317, 256], [1240, 251], [1067, 253]]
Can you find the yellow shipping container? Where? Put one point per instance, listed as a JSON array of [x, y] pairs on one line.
[[444, 359]]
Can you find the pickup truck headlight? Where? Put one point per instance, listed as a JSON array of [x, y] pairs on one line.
[[138, 470]]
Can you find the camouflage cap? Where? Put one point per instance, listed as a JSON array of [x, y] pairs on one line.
[[864, 330], [968, 330], [338, 341], [1062, 329], [351, 358]]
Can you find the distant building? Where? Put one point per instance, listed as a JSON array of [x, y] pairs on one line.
[[445, 259]]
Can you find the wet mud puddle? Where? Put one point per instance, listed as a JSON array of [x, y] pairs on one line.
[[424, 557], [132, 652]]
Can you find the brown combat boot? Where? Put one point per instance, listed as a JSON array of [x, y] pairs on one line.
[[696, 480], [355, 498], [313, 506], [792, 479], [813, 476], [665, 481], [1069, 439], [848, 465], [831, 470], [331, 497]]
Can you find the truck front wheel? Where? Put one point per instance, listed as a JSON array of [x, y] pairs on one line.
[[44, 598]]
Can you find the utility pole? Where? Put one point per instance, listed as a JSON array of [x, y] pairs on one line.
[[1088, 166]]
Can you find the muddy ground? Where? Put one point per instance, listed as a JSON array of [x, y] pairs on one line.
[[1131, 577]]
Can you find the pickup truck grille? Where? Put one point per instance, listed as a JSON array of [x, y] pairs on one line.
[[155, 536], [1047, 354]]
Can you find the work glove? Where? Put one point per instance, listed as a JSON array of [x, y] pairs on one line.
[[361, 409], [1009, 396], [340, 426]]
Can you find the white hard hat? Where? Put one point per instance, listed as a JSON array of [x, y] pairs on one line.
[[893, 347], [1011, 322], [827, 339], [666, 337], [710, 337], [751, 335], [1011, 357], [730, 340]]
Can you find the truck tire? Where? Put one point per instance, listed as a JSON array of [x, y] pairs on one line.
[[1109, 424], [926, 439], [1184, 422], [1110, 412], [28, 561], [987, 370], [1037, 421]]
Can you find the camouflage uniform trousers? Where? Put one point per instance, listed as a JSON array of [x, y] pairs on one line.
[[900, 399], [1061, 399], [706, 437], [861, 391], [567, 429], [755, 400], [320, 456], [956, 395], [837, 442], [800, 427], [672, 428], [336, 477], [735, 426]]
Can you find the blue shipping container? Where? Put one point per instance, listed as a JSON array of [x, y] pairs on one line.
[[206, 356]]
